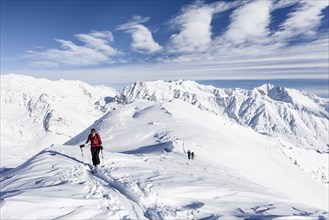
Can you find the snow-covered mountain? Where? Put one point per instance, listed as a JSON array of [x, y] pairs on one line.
[[294, 115], [242, 169], [36, 113], [145, 173]]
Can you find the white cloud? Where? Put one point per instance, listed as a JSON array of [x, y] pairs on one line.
[[95, 51], [106, 35], [303, 21], [301, 61], [278, 4], [142, 39], [248, 31], [248, 34], [247, 49], [99, 41], [194, 26], [44, 64], [308, 60], [249, 24]]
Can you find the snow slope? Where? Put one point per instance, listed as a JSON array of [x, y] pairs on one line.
[[298, 120], [145, 174], [291, 114], [247, 165], [36, 113]]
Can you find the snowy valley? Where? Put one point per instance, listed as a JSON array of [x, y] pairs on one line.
[[260, 153]]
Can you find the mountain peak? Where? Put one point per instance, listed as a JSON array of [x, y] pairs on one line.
[[160, 90], [268, 109], [266, 86], [263, 89]]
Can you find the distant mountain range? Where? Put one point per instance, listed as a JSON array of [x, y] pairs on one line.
[[295, 115]]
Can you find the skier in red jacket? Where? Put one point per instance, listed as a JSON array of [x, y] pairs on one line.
[[96, 146]]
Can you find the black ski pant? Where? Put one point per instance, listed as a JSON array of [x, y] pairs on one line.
[[95, 155]]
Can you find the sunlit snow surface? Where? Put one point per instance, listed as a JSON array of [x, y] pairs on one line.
[[238, 172], [36, 113]]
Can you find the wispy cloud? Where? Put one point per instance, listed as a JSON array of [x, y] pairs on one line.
[[99, 41], [304, 61], [248, 36], [96, 50], [194, 27], [142, 39], [245, 46], [249, 24], [302, 22], [279, 4]]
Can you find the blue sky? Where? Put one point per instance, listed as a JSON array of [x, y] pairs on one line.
[[119, 42]]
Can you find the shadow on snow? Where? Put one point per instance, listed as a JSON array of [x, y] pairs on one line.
[[167, 147]]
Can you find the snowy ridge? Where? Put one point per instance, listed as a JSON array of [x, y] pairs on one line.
[[145, 173], [288, 113], [238, 173], [36, 113], [135, 187]]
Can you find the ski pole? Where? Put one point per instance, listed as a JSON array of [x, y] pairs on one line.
[[81, 146]]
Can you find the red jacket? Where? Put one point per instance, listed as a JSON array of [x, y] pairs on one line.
[[95, 141]]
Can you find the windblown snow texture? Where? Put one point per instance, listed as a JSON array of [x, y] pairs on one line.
[[260, 154]]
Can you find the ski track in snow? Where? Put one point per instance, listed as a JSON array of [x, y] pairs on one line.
[[114, 198], [142, 186], [127, 196], [238, 173]]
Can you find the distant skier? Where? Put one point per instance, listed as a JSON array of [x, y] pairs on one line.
[[96, 147], [189, 154], [192, 155]]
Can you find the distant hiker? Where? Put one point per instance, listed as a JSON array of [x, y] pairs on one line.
[[189, 154], [192, 155], [96, 146]]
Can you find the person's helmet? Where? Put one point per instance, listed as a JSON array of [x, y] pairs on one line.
[[93, 130]]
